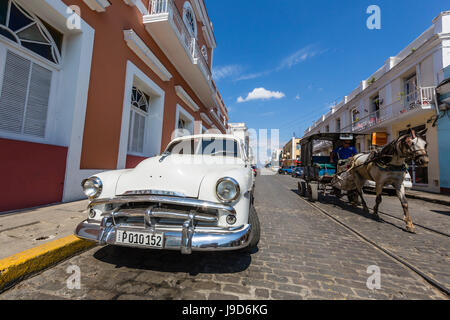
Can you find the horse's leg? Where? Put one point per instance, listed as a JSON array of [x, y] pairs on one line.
[[379, 189], [359, 181], [402, 196]]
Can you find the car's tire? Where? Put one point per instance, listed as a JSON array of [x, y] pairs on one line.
[[255, 232]]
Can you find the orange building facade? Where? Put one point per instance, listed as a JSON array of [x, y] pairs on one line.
[[94, 85]]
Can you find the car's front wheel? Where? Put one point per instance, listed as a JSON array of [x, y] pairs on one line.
[[255, 232]]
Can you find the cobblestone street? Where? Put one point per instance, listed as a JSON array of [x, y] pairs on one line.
[[303, 254]]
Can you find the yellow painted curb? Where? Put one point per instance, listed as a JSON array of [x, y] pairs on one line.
[[17, 266]]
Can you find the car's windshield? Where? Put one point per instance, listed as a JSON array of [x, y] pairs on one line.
[[206, 146]]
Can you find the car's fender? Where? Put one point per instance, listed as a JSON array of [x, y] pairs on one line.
[[244, 177]]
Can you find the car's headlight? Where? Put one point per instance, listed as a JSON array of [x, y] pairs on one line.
[[92, 187], [227, 189]]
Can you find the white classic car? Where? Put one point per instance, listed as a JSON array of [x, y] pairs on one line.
[[196, 196]]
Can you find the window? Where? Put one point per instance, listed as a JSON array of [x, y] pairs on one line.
[[327, 128], [27, 30], [205, 52], [411, 91], [181, 124], [140, 103], [189, 19], [354, 115], [338, 125], [26, 82], [184, 124]]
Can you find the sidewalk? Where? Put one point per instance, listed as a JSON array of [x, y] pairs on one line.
[[34, 239], [428, 196], [27, 229]]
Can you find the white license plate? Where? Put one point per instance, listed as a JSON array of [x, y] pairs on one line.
[[137, 238]]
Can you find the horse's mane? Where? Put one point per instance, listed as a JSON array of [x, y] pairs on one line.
[[389, 149]]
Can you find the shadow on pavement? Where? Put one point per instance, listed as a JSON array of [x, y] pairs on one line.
[[445, 213], [351, 208], [174, 261]]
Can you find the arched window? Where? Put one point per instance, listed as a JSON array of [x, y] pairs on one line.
[[189, 19], [139, 99], [205, 52], [29, 31], [26, 82]]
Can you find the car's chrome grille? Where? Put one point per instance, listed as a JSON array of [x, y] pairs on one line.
[[145, 215]]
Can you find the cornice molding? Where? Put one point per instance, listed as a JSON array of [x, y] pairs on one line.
[[142, 51], [97, 5], [186, 98], [205, 117]]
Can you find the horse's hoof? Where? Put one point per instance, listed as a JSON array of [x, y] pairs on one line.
[[411, 229], [377, 218]]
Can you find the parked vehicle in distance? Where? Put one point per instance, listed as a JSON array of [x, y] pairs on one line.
[[255, 171], [297, 172], [390, 189], [286, 170], [196, 196]]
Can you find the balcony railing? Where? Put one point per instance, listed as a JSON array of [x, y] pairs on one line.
[[422, 98], [157, 7]]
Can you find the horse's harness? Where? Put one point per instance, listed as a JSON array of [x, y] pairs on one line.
[[376, 158]]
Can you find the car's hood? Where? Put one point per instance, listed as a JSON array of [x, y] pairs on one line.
[[176, 173]]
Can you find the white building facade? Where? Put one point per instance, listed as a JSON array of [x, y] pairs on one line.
[[398, 96], [240, 131]]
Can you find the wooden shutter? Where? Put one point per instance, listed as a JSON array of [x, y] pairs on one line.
[[137, 131], [37, 103], [14, 93], [24, 97]]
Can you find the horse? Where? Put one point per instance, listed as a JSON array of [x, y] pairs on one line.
[[388, 167]]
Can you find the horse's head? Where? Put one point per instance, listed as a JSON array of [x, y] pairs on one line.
[[414, 146]]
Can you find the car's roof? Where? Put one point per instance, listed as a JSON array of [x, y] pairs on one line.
[[207, 136]]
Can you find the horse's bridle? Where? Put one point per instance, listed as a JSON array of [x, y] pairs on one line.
[[412, 154], [417, 153]]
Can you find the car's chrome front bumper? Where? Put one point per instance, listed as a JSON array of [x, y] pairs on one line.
[[186, 238]]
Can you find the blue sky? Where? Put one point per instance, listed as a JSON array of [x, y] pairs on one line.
[[306, 54]]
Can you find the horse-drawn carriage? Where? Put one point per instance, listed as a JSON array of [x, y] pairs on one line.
[[320, 174], [386, 167]]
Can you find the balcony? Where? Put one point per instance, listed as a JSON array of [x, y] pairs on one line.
[[423, 99], [164, 23]]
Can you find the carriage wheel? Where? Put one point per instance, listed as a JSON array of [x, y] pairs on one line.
[[337, 192], [313, 192], [353, 197], [302, 188]]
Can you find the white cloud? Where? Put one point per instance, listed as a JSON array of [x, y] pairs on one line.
[[254, 75], [299, 56], [226, 71], [297, 97], [261, 94]]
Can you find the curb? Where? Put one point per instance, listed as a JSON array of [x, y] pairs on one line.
[[25, 263], [439, 201]]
